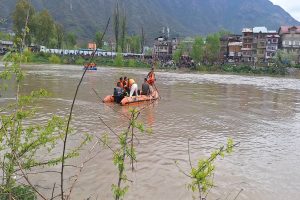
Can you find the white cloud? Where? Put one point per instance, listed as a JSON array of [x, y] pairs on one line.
[[291, 6]]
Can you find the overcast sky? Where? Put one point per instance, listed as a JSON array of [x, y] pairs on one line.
[[291, 6]]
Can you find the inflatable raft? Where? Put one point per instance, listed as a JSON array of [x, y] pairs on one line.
[[90, 67], [133, 99]]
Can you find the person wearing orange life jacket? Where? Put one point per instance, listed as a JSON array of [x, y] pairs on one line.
[[121, 82], [151, 77], [133, 87]]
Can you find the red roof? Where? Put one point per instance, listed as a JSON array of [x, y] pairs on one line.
[[287, 29]]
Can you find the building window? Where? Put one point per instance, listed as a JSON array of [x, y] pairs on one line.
[[274, 40], [290, 43]]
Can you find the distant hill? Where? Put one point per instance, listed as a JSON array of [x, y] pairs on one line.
[[183, 17]]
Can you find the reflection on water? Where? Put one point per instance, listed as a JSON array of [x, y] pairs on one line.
[[260, 112]]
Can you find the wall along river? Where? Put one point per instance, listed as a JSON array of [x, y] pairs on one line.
[[262, 113]]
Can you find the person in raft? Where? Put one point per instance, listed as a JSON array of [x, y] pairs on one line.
[[151, 77], [133, 87], [121, 82], [125, 84], [145, 88], [118, 93]]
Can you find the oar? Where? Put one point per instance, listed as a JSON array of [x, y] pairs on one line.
[[157, 90]]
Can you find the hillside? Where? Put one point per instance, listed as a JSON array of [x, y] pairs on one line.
[[183, 17]]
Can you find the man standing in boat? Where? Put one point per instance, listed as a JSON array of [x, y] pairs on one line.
[[151, 77]]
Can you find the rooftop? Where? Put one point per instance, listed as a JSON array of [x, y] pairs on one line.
[[261, 29], [287, 29]]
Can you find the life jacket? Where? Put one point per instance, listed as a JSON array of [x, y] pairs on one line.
[[125, 83], [151, 78], [130, 82]]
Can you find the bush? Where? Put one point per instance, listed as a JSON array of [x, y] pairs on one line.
[[119, 62], [131, 63], [54, 59], [79, 61]]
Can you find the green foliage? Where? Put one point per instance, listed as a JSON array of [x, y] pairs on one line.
[[119, 61], [212, 48], [126, 150], [98, 40], [21, 192], [43, 28], [54, 59], [80, 61], [59, 35], [23, 11], [71, 40], [131, 63], [133, 43], [198, 49], [202, 175]]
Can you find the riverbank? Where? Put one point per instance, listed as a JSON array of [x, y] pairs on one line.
[[120, 61]]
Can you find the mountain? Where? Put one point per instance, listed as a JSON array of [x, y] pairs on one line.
[[183, 17]]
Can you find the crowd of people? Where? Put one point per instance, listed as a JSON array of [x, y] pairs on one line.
[[129, 87]]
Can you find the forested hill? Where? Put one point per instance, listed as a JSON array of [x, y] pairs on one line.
[[183, 17]]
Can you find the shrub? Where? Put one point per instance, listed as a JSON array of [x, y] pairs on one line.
[[79, 61], [54, 59], [119, 61]]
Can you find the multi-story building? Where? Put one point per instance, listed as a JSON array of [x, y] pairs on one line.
[[247, 48], [272, 40], [259, 44], [290, 41], [163, 47], [234, 51], [228, 48]]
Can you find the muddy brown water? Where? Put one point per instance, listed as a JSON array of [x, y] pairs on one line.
[[262, 113]]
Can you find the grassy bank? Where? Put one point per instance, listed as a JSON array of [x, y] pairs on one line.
[[244, 69], [118, 61]]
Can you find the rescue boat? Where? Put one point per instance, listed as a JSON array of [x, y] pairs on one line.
[[134, 99], [90, 66]]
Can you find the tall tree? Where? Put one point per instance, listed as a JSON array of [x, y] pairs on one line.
[[198, 49], [212, 47], [99, 40], [116, 24], [43, 28], [60, 34], [71, 40], [123, 31], [22, 20]]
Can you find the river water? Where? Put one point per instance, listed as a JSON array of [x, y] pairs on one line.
[[262, 113]]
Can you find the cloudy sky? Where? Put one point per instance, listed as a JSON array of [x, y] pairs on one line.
[[291, 6]]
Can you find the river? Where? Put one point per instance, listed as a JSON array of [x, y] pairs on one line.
[[262, 113]]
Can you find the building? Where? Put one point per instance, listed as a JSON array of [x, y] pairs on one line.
[[290, 41], [272, 40], [163, 47], [5, 46], [247, 48], [259, 44], [230, 48], [234, 51]]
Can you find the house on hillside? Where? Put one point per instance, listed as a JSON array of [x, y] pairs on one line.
[[290, 41]]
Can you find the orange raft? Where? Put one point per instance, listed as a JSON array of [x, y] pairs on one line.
[[134, 99]]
